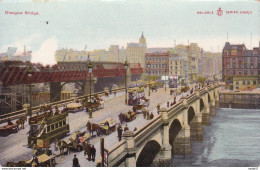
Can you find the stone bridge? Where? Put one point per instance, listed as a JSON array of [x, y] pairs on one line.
[[170, 133]]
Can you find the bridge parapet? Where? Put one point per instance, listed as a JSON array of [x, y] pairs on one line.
[[159, 127]]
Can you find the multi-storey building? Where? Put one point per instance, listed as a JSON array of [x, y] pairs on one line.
[[115, 54], [135, 52], [178, 65], [240, 67], [70, 55], [157, 61]]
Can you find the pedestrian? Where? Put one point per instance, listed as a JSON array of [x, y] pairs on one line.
[[135, 129], [126, 128], [56, 145], [144, 113], [151, 115], [147, 115], [93, 153], [119, 131], [75, 161]]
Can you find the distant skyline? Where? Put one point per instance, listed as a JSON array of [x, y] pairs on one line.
[[101, 23]]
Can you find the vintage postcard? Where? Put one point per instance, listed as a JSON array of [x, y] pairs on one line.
[[129, 83]]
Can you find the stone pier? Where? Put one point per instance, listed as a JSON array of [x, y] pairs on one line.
[[196, 129], [181, 144], [205, 116]]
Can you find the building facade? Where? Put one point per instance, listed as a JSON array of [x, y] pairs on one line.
[[135, 52], [157, 61], [240, 67], [70, 55]]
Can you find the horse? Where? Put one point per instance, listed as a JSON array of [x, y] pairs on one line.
[[122, 118], [92, 127], [62, 145], [21, 122], [106, 94], [86, 149]]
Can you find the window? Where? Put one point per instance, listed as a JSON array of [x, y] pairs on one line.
[[234, 72], [228, 66], [237, 83], [252, 72], [56, 126], [234, 60], [228, 73], [175, 72], [52, 127], [176, 63], [248, 82], [175, 67], [48, 128], [254, 82], [228, 60], [64, 122], [251, 65], [171, 67], [240, 72], [245, 72], [244, 82], [245, 65]]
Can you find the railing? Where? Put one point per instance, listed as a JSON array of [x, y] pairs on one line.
[[20, 113]]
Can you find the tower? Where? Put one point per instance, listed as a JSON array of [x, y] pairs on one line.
[[142, 40]]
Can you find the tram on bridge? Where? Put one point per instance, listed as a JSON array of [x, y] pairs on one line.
[[45, 129]]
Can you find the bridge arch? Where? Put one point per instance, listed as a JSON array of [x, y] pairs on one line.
[[191, 114], [148, 153], [174, 130]]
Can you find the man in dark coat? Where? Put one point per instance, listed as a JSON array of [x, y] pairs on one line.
[[93, 153], [119, 131], [75, 162]]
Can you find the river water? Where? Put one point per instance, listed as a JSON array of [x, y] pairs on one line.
[[232, 140]]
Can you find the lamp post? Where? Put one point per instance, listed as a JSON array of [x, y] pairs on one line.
[[29, 74], [149, 67], [165, 66], [90, 71], [126, 65]]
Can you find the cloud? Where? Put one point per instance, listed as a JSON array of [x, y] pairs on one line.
[[46, 54]]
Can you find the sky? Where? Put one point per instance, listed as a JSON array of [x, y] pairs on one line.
[[101, 23]]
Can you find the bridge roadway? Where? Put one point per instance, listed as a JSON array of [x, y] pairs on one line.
[[14, 147]]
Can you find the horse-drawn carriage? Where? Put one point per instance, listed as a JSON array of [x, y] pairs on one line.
[[75, 143], [8, 129], [107, 126], [135, 95], [127, 117], [74, 107], [44, 160]]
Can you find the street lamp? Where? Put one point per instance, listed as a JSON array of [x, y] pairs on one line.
[[165, 66], [126, 65], [30, 74], [90, 71], [149, 67]]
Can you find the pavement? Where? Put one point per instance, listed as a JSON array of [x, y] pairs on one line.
[[14, 147]]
